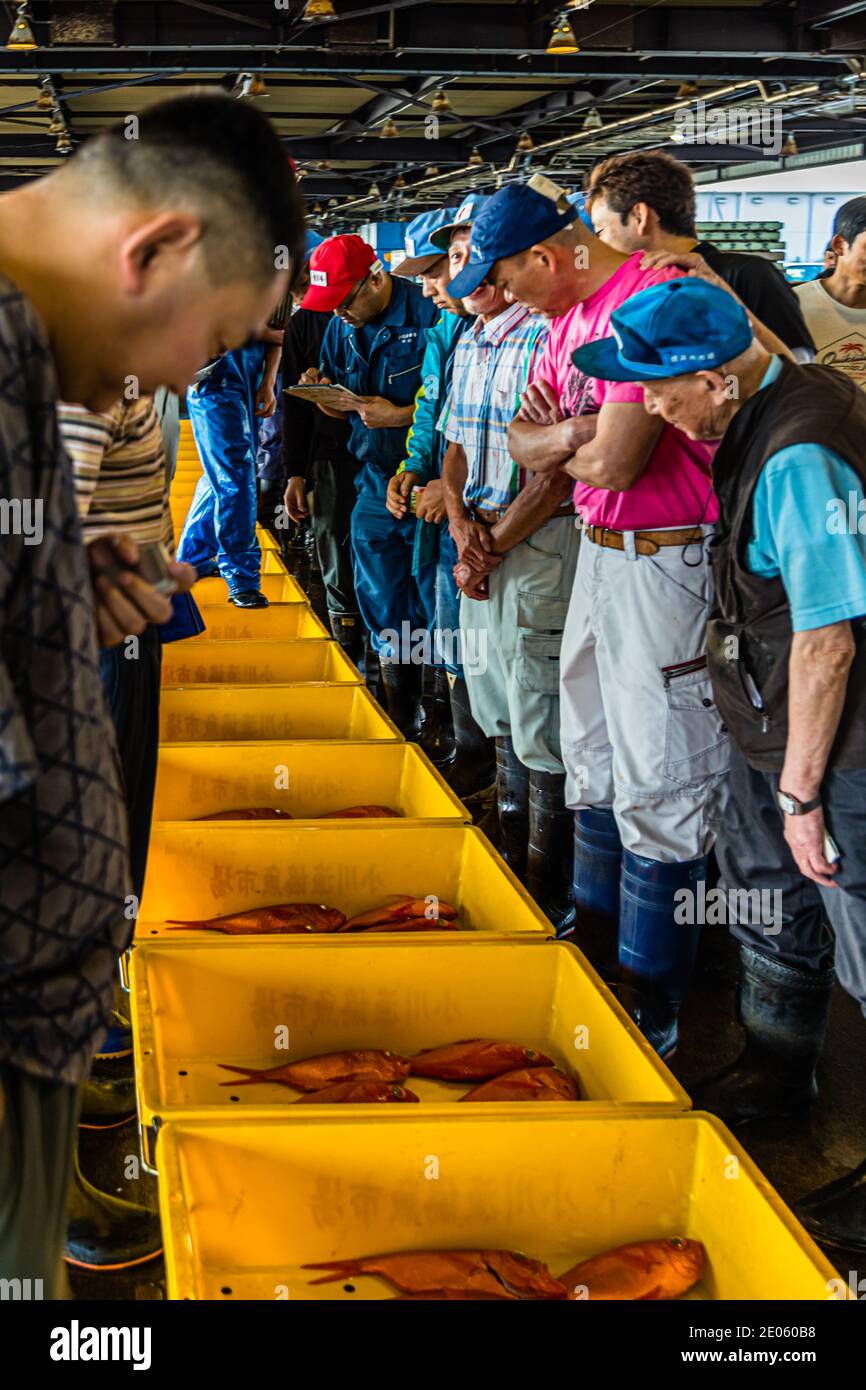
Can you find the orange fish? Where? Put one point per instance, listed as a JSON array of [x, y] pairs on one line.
[[358, 1093], [401, 909], [649, 1269], [476, 1060], [472, 1273], [249, 813], [360, 813], [528, 1083], [314, 1073], [416, 924], [285, 919]]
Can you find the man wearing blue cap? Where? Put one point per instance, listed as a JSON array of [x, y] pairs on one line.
[[517, 549], [787, 656], [645, 805], [470, 768]]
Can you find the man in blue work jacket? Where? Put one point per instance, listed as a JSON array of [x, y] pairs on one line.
[[471, 767], [374, 345]]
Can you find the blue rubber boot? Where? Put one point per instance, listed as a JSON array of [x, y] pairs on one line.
[[658, 941], [594, 921]]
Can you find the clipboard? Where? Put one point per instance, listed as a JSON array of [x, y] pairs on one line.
[[337, 397]]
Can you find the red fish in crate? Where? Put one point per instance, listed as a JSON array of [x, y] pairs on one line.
[[249, 813], [402, 909], [472, 1273], [314, 1073], [476, 1060], [527, 1083], [362, 813], [648, 1270], [286, 919], [410, 924], [358, 1093]]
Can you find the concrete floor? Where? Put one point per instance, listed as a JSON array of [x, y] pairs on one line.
[[795, 1158]]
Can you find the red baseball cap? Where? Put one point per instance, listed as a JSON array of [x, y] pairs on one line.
[[335, 266]]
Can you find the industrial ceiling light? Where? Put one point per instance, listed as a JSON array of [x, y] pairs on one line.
[[686, 90], [64, 144], [440, 103], [578, 4], [476, 159], [431, 171], [46, 98], [373, 191], [562, 39], [249, 84], [319, 9], [790, 146], [525, 143], [593, 120], [57, 125], [323, 164], [21, 35], [318, 210], [389, 130], [257, 86], [332, 203]]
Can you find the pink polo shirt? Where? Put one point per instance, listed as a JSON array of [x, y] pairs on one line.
[[674, 488]]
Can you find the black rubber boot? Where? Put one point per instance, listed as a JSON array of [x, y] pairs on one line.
[[402, 687], [784, 1012], [472, 770], [512, 799], [350, 632], [437, 731], [107, 1233], [835, 1214], [248, 598], [551, 848]]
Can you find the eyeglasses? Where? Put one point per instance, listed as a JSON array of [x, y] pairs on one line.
[[347, 303]]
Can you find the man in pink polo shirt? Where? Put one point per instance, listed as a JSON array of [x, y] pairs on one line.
[[643, 745]]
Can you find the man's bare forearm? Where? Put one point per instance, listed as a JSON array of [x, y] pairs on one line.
[[531, 508], [454, 471], [543, 448], [273, 357], [818, 669]]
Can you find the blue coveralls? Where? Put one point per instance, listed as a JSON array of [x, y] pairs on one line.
[[383, 359], [220, 528]]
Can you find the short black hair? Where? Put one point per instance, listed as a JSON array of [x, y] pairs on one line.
[[651, 177], [223, 159], [850, 219]]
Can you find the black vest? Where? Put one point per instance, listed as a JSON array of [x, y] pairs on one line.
[[749, 631]]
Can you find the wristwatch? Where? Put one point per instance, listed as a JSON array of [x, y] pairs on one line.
[[792, 807]]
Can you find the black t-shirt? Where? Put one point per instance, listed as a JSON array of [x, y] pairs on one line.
[[763, 289], [308, 434]]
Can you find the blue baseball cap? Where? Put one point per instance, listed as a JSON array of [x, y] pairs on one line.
[[514, 219], [421, 253], [313, 240], [578, 202], [672, 329], [464, 216]]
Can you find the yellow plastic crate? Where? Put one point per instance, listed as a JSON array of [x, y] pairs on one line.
[[196, 779], [253, 712], [200, 661], [265, 539], [244, 1205], [195, 872], [279, 622], [273, 562], [278, 588], [197, 1005]]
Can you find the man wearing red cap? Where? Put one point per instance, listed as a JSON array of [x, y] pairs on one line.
[[374, 345]]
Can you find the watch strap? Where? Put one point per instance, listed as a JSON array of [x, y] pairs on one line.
[[801, 808]]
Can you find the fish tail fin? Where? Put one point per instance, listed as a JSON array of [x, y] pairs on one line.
[[339, 1269], [249, 1072]]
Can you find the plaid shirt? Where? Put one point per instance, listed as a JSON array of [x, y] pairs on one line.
[[492, 365]]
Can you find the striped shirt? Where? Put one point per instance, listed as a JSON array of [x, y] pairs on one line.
[[492, 365], [118, 467]]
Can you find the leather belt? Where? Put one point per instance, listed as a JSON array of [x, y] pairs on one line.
[[488, 516], [645, 542]]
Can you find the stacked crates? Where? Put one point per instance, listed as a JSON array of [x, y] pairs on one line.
[[263, 709]]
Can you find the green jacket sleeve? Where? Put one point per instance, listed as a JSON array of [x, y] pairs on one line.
[[421, 452]]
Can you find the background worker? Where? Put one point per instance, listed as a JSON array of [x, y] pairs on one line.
[[787, 651], [316, 459], [167, 251], [517, 550], [643, 747], [374, 345], [645, 201], [834, 305], [454, 741]]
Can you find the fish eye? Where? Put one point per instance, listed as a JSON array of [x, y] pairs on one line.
[[676, 1242], [530, 1053], [388, 1053], [396, 1090]]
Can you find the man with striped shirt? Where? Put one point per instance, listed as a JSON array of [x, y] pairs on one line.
[[516, 563]]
